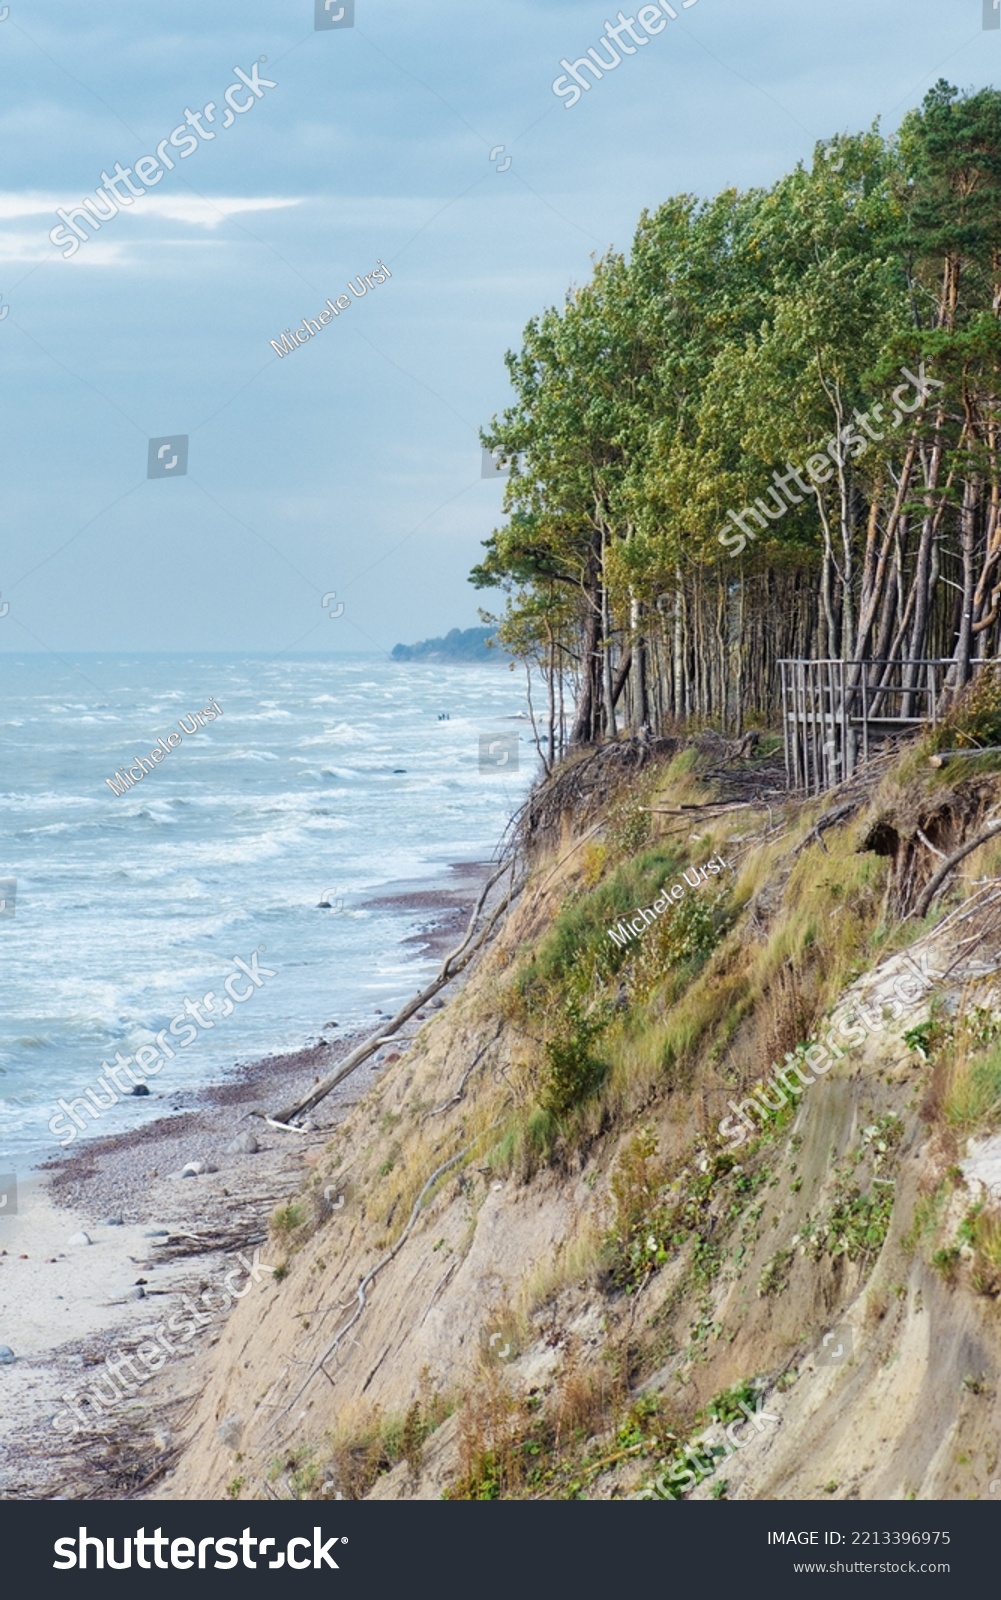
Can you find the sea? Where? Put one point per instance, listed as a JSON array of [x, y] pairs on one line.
[[332, 778]]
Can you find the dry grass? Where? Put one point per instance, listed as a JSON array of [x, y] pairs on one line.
[[971, 1092], [491, 1431], [573, 1263], [587, 1397]]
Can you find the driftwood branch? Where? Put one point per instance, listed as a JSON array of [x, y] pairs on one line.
[[935, 884], [940, 758], [451, 967]]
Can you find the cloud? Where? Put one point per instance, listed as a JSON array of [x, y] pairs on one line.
[[110, 247], [200, 210]]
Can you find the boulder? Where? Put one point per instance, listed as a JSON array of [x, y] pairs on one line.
[[230, 1432], [245, 1144]]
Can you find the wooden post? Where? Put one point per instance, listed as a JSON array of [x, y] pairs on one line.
[[785, 723]]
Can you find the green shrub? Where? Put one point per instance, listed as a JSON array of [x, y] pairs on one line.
[[577, 951], [575, 1072], [974, 720], [287, 1219]]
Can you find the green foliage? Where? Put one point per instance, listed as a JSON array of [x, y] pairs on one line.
[[738, 338], [629, 827], [946, 1260], [577, 951], [974, 1098], [920, 1039], [655, 1215], [575, 1072], [974, 720], [857, 1223], [676, 947], [287, 1220]]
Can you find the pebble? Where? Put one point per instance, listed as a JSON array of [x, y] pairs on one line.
[[6, 1355], [245, 1144], [79, 1238], [230, 1431], [113, 1222], [136, 1292], [195, 1169], [157, 1233]]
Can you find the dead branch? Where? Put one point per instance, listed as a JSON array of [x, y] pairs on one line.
[[460, 1091], [828, 820], [935, 884], [451, 967], [940, 757]]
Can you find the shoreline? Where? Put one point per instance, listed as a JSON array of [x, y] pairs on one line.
[[109, 1238]]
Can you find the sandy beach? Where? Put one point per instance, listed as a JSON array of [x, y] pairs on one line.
[[111, 1241]]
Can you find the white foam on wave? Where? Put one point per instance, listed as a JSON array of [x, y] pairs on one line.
[[134, 903]]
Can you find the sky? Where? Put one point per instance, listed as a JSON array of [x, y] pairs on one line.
[[333, 498]]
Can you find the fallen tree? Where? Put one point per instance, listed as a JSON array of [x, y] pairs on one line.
[[450, 969]]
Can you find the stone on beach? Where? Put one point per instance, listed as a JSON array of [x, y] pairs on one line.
[[245, 1144], [230, 1431], [196, 1169], [79, 1238], [6, 1355]]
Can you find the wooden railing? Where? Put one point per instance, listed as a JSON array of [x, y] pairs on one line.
[[834, 712]]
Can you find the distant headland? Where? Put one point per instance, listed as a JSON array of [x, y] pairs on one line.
[[460, 644]]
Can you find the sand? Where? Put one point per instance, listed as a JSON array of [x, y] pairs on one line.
[[156, 1238]]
